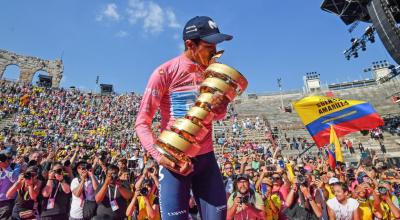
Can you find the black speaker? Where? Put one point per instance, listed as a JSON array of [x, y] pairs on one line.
[[106, 88], [44, 81], [386, 27]]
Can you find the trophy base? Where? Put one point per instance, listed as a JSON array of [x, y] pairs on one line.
[[175, 155]]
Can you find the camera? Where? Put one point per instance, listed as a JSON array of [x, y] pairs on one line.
[[302, 180], [27, 175], [144, 191], [151, 170], [302, 171], [114, 176], [317, 174], [382, 190], [271, 168], [244, 199], [132, 164]]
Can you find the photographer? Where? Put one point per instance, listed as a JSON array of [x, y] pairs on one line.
[[8, 176], [145, 203], [389, 210], [56, 195], [111, 196], [245, 203], [300, 202], [369, 208], [83, 187], [150, 172], [27, 188]]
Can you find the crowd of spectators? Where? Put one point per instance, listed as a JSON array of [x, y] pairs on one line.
[[75, 155]]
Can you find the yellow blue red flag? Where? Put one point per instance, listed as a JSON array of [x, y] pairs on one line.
[[318, 113], [334, 140]]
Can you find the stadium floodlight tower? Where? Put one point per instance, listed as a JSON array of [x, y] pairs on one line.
[[384, 16], [312, 82]]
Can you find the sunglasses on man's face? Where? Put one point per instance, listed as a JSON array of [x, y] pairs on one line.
[[58, 171]]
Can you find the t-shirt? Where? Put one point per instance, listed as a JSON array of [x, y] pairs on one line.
[[142, 207], [104, 210], [77, 202], [343, 212], [366, 209]]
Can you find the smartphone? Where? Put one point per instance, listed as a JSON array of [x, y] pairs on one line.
[[281, 164], [263, 189]]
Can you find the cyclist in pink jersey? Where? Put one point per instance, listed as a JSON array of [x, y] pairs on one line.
[[173, 87]]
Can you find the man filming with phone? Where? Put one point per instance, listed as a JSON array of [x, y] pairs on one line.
[[245, 203]]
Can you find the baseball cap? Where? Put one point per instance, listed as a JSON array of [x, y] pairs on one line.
[[204, 28], [333, 180], [360, 177], [242, 177]]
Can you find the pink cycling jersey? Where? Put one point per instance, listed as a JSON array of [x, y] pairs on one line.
[[172, 87]]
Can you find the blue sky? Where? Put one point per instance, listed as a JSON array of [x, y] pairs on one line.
[[124, 41]]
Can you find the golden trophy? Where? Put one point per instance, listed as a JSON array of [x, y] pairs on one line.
[[180, 142]]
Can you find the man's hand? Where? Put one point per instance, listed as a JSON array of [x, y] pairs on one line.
[[184, 170], [236, 201], [320, 184], [51, 175], [84, 175], [108, 179], [305, 191]]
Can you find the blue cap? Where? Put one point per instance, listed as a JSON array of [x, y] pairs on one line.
[[204, 28]]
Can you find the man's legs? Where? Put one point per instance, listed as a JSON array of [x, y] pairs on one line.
[[208, 188], [174, 195]]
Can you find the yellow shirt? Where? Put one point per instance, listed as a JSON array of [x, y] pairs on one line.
[[331, 195], [142, 209], [385, 210], [366, 209]]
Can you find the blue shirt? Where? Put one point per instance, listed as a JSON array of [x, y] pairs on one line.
[[7, 178]]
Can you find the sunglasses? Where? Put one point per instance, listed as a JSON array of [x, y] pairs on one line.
[[58, 171]]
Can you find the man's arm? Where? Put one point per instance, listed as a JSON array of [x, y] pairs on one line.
[[151, 100], [125, 193]]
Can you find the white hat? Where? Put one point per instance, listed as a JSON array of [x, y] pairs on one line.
[[333, 180]]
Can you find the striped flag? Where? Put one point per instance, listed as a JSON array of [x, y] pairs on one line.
[[318, 113]]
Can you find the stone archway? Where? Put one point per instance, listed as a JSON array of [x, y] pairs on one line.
[[29, 65]]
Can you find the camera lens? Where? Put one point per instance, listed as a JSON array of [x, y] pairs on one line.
[[144, 191], [382, 190], [302, 180], [244, 200], [151, 169], [27, 175]]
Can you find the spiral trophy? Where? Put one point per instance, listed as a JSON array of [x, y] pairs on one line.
[[180, 142]]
